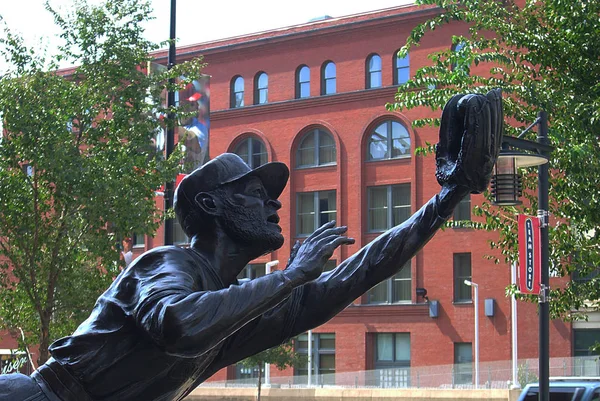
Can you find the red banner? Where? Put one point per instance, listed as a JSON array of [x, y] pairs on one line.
[[530, 265]]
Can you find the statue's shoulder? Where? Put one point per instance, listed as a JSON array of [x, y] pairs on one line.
[[163, 256]]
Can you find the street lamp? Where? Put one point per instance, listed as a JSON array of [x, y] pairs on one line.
[[476, 300], [534, 154]]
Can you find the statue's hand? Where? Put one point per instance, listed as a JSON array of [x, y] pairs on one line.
[[470, 139], [310, 257]]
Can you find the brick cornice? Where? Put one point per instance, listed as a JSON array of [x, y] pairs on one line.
[[311, 102]]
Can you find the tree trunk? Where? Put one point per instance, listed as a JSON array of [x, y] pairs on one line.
[[44, 341], [259, 381]]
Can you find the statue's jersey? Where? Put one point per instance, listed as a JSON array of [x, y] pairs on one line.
[[167, 323]]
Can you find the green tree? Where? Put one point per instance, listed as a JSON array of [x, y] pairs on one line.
[[282, 356], [544, 54], [77, 168]]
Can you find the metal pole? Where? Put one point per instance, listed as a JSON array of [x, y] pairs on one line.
[[543, 189], [513, 303], [268, 268], [309, 357], [476, 289], [170, 140]]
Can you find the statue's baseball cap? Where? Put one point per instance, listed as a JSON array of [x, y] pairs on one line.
[[225, 169]]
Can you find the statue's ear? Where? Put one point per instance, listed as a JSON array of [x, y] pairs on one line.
[[208, 203]]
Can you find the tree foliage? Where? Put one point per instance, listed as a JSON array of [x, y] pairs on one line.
[[78, 169], [544, 54], [282, 356]]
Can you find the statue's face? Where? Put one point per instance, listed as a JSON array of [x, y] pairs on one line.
[[250, 216]]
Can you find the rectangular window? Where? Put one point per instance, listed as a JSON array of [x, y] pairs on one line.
[[179, 237], [252, 271], [397, 289], [583, 340], [463, 358], [463, 210], [462, 272], [388, 206], [392, 359], [323, 359], [138, 241], [313, 209]]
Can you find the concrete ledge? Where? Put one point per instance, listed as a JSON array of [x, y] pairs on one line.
[[342, 394]]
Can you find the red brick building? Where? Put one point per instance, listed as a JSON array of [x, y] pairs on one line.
[[313, 96]]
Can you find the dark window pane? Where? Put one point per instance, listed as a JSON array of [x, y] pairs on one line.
[[306, 213], [463, 210], [400, 204], [326, 148], [401, 285], [379, 293], [462, 272], [377, 209], [327, 207], [306, 151]]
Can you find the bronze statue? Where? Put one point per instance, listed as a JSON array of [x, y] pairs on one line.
[[176, 316]]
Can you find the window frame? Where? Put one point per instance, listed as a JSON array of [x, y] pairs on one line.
[[259, 90], [389, 206], [135, 240], [461, 368], [389, 142], [316, 132], [459, 280], [300, 83], [249, 141], [326, 79], [370, 72], [462, 212], [399, 65], [317, 212], [389, 288], [317, 352], [233, 103]]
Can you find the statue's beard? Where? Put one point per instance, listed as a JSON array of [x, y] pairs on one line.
[[250, 229]]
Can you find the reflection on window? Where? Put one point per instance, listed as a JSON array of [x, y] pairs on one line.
[[388, 206], [237, 92], [392, 360], [252, 151], [463, 210], [328, 80], [313, 210], [317, 148], [138, 240], [463, 357], [397, 289], [261, 88], [179, 237], [302, 82], [373, 71], [389, 140], [323, 358], [462, 272], [401, 69], [252, 271]]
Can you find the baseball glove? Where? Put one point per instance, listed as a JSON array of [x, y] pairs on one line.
[[470, 139]]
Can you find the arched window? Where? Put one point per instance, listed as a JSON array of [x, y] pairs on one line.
[[237, 92], [401, 69], [389, 140], [261, 88], [317, 148], [302, 82], [252, 151], [328, 74], [373, 69]]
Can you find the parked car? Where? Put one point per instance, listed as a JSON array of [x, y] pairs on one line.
[[566, 389]]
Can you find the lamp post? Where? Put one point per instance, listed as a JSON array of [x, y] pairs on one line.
[[170, 140], [476, 311], [506, 192]]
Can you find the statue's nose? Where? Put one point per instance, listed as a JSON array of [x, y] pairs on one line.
[[274, 203]]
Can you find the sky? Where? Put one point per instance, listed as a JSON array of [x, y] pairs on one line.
[[197, 21]]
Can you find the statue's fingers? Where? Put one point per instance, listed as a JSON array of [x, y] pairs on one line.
[[331, 232], [321, 229]]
